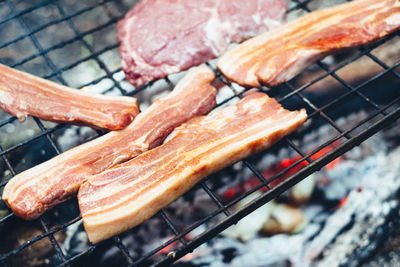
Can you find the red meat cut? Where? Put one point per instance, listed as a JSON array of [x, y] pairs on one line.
[[161, 37]]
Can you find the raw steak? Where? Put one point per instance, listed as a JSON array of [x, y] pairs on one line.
[[160, 37]]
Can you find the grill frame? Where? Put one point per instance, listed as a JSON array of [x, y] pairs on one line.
[[387, 117]]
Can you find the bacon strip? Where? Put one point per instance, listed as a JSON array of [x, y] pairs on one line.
[[22, 94], [279, 55], [32, 192], [128, 194]]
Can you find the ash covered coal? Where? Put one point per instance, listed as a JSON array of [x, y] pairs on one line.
[[360, 228]]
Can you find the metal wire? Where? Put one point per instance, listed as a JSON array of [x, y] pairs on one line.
[[352, 136]]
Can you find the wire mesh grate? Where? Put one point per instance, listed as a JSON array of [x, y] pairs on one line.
[[292, 93]]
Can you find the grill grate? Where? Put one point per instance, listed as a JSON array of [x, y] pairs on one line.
[[19, 13]]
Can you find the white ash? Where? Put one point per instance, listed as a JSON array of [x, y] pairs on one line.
[[16, 132], [176, 77], [318, 136], [71, 232], [247, 228], [301, 192], [369, 207], [156, 90], [238, 88], [224, 93], [377, 176]]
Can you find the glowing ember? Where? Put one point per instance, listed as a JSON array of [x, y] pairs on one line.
[[342, 202], [168, 249], [284, 164]]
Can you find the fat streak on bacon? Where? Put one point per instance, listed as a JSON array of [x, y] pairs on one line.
[[32, 192], [275, 57], [23, 94], [128, 194], [160, 37]]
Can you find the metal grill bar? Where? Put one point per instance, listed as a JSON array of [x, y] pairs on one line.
[[64, 43], [348, 86], [89, 47], [6, 217], [214, 198], [276, 191], [7, 121], [347, 62], [45, 132], [171, 225], [26, 11], [35, 42], [55, 146], [352, 138], [216, 230], [383, 65], [299, 5], [377, 126], [298, 150], [76, 257], [53, 22], [257, 173], [124, 250], [4, 156], [53, 241], [93, 55], [37, 238], [321, 113], [4, 183], [381, 124], [377, 76]]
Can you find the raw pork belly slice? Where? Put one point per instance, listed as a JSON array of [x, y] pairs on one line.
[[160, 37], [128, 194], [22, 94], [279, 55], [32, 192]]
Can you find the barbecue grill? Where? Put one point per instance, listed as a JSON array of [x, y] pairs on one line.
[[20, 16]]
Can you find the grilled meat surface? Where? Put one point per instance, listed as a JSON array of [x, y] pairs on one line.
[[275, 57], [23, 94], [126, 195], [32, 192]]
